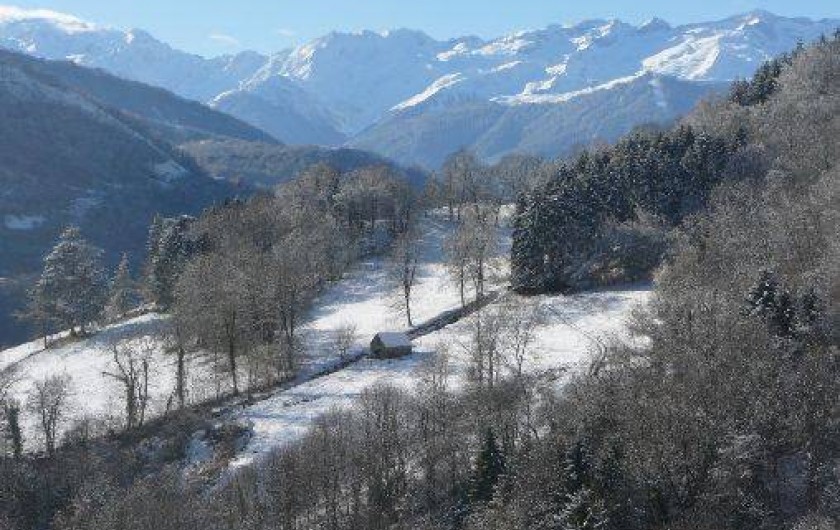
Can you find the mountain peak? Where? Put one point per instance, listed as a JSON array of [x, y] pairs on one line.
[[654, 24], [760, 13]]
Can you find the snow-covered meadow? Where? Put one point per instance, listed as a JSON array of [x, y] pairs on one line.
[[366, 299], [95, 395]]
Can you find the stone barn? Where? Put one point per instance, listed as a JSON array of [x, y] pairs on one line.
[[390, 344]]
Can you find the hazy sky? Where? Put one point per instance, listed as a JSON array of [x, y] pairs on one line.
[[212, 27]]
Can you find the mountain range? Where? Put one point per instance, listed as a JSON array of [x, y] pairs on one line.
[[416, 99]]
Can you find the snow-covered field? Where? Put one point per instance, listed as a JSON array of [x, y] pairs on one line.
[[93, 394], [572, 327], [366, 299]]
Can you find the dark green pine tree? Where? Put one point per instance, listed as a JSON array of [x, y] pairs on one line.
[[762, 295], [577, 467], [121, 295], [489, 467], [73, 285], [584, 510], [767, 299], [13, 434], [526, 250], [169, 249]]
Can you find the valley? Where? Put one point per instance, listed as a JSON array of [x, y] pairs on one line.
[[582, 276]]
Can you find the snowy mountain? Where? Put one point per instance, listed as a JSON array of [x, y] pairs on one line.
[[133, 54], [379, 89], [425, 134]]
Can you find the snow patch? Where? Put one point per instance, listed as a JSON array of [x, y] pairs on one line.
[[459, 49], [441, 84], [506, 66], [558, 69], [510, 45], [693, 58], [546, 99], [659, 93]]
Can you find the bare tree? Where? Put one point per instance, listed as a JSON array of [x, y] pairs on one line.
[[49, 400], [404, 258], [176, 341], [345, 336], [521, 321], [209, 301], [462, 181], [482, 245], [131, 370], [483, 347], [472, 249], [456, 246]]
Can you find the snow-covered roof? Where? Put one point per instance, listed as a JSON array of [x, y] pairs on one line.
[[394, 339]]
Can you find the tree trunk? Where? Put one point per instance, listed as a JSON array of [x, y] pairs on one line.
[[180, 377], [462, 285], [407, 296], [232, 354]]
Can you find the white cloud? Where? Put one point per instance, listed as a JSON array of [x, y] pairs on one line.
[[285, 32], [227, 40]]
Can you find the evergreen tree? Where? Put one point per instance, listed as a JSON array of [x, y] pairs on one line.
[[489, 467], [583, 511], [13, 431], [526, 258], [577, 467], [72, 287], [169, 247], [766, 299], [40, 311], [121, 294]]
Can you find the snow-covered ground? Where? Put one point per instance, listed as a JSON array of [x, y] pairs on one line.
[[572, 327], [367, 298], [93, 394]]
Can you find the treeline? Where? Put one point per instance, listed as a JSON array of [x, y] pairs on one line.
[[602, 218], [464, 181]]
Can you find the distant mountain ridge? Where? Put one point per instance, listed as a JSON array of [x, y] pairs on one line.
[[362, 89]]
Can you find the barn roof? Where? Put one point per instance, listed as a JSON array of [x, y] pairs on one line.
[[394, 339]]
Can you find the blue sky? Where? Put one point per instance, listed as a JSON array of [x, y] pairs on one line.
[[212, 27]]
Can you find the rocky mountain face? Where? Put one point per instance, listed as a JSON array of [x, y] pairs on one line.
[[408, 96]]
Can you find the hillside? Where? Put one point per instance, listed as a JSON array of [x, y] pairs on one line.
[[266, 165], [68, 158], [364, 298], [426, 133], [162, 113]]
